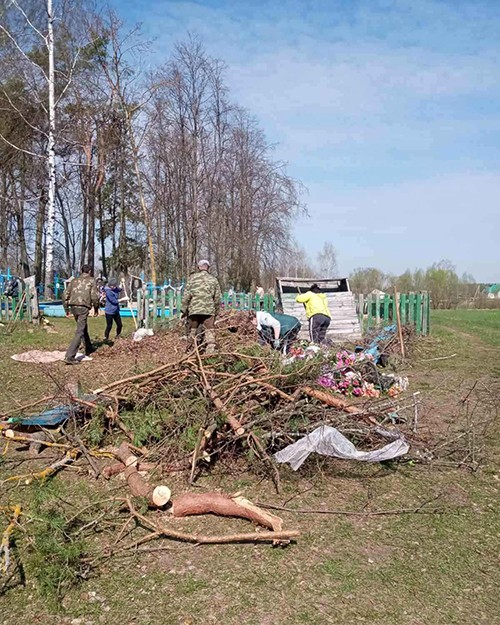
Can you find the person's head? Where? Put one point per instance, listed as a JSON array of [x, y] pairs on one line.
[[253, 316], [87, 269], [203, 265], [315, 288], [113, 282]]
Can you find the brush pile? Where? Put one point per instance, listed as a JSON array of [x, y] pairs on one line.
[[237, 408]]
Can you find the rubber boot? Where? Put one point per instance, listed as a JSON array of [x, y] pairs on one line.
[[210, 341]]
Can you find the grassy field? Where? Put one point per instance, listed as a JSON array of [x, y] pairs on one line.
[[405, 569]]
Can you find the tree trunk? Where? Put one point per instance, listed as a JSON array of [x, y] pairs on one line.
[[40, 222], [102, 234], [51, 204], [67, 239]]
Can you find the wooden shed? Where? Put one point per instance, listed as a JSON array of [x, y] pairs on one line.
[[345, 322]]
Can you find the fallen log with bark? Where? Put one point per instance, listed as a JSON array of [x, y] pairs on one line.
[[189, 504], [156, 496]]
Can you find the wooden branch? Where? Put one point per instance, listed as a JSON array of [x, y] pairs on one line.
[[190, 504], [216, 400], [330, 400], [196, 452], [159, 530], [69, 457], [419, 510], [77, 441], [6, 537], [156, 496], [29, 438], [266, 457], [141, 376]]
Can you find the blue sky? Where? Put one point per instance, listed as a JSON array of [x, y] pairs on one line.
[[386, 110]]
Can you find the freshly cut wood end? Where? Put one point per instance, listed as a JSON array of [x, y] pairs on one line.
[[161, 495], [9, 434]]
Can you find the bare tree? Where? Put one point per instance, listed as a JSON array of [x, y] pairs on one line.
[[327, 261]]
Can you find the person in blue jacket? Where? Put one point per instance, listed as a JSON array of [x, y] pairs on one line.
[[112, 308]]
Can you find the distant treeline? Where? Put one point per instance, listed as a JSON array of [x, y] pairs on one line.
[[447, 288]]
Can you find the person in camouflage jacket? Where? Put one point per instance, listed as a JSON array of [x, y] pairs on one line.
[[80, 296], [201, 303]]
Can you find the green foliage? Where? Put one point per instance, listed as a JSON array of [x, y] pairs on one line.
[[447, 289], [55, 559], [96, 428], [147, 426]]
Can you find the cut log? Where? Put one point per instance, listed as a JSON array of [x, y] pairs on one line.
[[330, 400], [156, 496], [119, 467], [190, 504]]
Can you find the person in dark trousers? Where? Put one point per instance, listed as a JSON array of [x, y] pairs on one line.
[[81, 295], [112, 308], [201, 304], [317, 312]]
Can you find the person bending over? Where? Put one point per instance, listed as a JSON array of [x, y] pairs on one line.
[[276, 329]]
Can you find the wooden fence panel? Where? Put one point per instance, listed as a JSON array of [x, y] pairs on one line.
[[414, 309]]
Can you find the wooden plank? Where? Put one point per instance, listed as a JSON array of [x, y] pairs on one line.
[[402, 307], [171, 303], [424, 315], [418, 312], [411, 308], [361, 310], [145, 301], [387, 305], [139, 308], [163, 303], [428, 305], [377, 309], [154, 312]]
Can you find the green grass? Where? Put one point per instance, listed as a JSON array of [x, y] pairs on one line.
[[471, 336], [482, 325], [422, 569]]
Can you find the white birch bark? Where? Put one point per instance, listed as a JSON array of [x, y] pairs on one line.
[[51, 157]]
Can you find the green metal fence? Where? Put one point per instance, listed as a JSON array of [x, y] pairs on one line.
[[377, 310], [154, 308], [17, 308]]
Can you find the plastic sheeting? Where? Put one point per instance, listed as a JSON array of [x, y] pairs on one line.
[[39, 357], [328, 441], [142, 333]]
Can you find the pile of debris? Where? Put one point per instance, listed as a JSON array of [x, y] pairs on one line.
[[240, 406], [244, 408]]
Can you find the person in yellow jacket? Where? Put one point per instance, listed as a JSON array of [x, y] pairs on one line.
[[317, 312]]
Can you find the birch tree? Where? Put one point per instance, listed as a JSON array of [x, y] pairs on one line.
[[35, 46]]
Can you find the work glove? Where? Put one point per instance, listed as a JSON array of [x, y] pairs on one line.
[[276, 343]]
